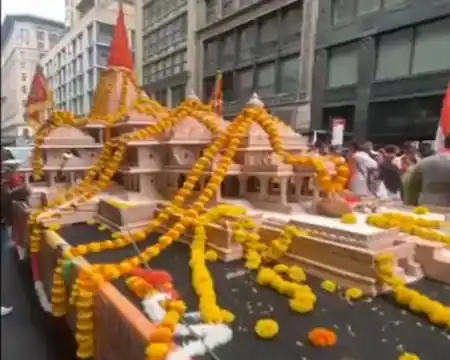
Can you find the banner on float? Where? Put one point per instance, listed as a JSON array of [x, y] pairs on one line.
[[337, 134]]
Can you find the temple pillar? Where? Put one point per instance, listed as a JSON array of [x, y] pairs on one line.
[[242, 185], [284, 189], [264, 180]]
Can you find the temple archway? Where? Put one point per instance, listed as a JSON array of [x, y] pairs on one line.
[[231, 187], [291, 186], [253, 185], [274, 186]]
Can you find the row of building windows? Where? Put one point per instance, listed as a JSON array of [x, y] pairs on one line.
[[259, 39], [177, 95], [411, 51], [159, 9], [267, 79], [344, 11], [171, 65], [170, 34], [227, 7], [45, 39]]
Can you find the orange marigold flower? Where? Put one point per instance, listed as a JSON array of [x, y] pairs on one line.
[[161, 335], [322, 337]]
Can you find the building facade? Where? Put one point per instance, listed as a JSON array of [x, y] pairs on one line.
[[26, 40], [168, 33], [262, 46], [383, 65], [73, 65]]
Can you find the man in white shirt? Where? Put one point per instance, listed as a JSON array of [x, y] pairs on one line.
[[363, 165]]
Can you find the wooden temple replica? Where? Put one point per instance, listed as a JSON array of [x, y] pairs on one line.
[[273, 192]]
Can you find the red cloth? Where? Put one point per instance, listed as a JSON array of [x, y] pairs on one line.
[[15, 180]]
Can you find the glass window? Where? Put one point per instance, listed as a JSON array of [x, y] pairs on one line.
[[292, 24], [227, 7], [265, 79], [367, 6], [25, 36], [342, 11], [40, 35], [211, 54], [342, 65], [211, 10], [104, 33], [268, 32], [178, 93], [247, 39], [245, 82], [393, 56], [289, 69], [432, 47], [268, 36]]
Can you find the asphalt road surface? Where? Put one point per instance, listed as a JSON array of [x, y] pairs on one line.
[[373, 329], [28, 333]]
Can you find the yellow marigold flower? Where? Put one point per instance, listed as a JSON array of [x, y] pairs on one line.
[[408, 356], [281, 268], [349, 218], [296, 273], [267, 328], [328, 286], [265, 276], [421, 210], [211, 255], [353, 294], [303, 302]]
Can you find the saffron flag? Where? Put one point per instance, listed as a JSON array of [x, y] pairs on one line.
[[217, 97], [444, 124]]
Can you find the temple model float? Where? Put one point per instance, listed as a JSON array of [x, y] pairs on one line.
[[247, 189]]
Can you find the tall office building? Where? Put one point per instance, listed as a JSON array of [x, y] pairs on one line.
[[26, 40], [73, 66], [263, 46], [383, 66], [166, 31]]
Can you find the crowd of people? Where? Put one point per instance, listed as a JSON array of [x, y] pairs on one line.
[[413, 173]]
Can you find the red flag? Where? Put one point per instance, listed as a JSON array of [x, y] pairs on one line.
[[217, 98]]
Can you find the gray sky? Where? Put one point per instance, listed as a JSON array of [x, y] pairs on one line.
[[51, 9]]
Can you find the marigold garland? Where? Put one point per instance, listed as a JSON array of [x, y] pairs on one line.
[[85, 286]]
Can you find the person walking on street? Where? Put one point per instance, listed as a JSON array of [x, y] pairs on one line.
[[428, 183]]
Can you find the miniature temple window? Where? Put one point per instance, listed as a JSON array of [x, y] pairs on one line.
[[230, 187], [118, 179], [274, 186], [134, 180], [306, 188], [60, 177], [291, 186], [181, 180], [253, 185]]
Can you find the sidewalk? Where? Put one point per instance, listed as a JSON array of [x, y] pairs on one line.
[[26, 331]]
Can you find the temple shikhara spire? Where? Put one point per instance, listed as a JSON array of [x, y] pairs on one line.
[[120, 54], [39, 99]]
